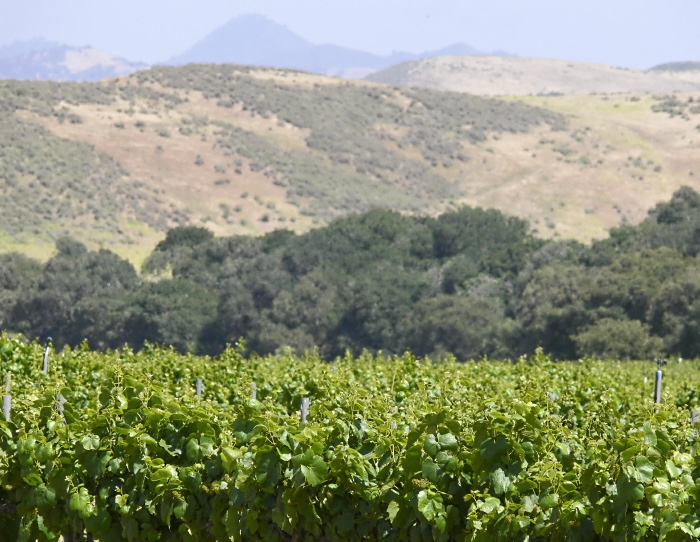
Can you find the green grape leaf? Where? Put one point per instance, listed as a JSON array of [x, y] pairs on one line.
[[448, 441], [33, 478], [550, 500], [429, 470], [345, 522], [430, 504], [180, 509], [99, 524], [90, 442], [131, 530], [645, 469], [393, 509], [81, 502], [492, 449], [628, 490], [229, 457], [316, 472], [662, 486], [430, 445], [672, 469], [529, 502], [490, 504], [42, 496], [499, 481], [166, 473], [192, 450], [441, 523], [207, 445]]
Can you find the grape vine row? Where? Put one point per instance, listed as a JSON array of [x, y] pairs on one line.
[[394, 448]]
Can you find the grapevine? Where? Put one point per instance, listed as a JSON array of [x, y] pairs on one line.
[[395, 448]]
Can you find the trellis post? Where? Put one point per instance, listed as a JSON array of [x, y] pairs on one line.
[[304, 409]]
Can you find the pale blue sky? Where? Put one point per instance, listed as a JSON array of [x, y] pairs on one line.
[[636, 34]]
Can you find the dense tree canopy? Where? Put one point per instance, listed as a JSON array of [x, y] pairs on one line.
[[470, 283]]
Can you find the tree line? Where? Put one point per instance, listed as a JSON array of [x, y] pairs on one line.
[[470, 283]]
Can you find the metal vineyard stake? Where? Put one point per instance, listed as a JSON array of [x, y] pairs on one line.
[[7, 398], [304, 409], [46, 360], [658, 380]]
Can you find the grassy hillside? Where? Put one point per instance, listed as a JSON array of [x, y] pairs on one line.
[[248, 150]]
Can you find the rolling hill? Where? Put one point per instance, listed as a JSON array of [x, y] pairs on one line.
[[248, 150], [513, 76], [682, 66]]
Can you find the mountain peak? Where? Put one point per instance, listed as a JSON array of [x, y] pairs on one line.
[[256, 40], [247, 39]]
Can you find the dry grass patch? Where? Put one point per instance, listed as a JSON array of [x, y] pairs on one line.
[[181, 169]]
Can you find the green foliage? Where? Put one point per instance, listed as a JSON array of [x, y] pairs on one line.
[[684, 202], [551, 309], [171, 312], [675, 106], [675, 313], [354, 284], [674, 224], [76, 291], [466, 327], [188, 236], [496, 243], [619, 339], [395, 448], [470, 283], [177, 247]]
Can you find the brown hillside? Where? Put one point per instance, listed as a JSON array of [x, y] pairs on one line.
[[513, 76], [244, 151]]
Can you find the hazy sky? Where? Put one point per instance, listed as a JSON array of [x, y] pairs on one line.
[[632, 33]]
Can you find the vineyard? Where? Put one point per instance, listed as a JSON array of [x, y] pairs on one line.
[[160, 446]]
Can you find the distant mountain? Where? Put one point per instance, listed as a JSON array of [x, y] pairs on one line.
[[250, 39], [256, 40], [20, 48], [43, 60]]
